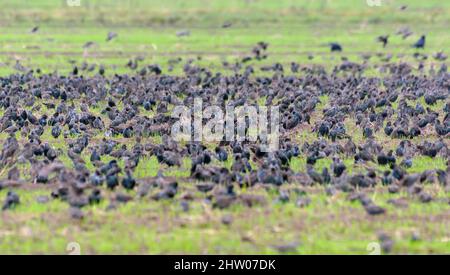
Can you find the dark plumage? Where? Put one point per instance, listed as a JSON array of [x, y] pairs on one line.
[[56, 131], [335, 47], [374, 210], [112, 181], [34, 29], [316, 177], [111, 36], [12, 200], [221, 154], [338, 169], [420, 44], [383, 39], [95, 197], [128, 182]]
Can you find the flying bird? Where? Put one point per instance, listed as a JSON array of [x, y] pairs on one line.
[[111, 36], [34, 29], [88, 44], [183, 33], [226, 25], [404, 32]]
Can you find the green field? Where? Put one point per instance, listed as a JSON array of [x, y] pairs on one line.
[[295, 30]]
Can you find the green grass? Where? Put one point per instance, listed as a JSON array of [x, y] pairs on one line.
[[147, 226], [294, 29]]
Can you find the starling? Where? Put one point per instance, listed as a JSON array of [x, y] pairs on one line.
[[56, 131], [183, 33], [420, 44], [34, 29], [383, 39], [111, 36], [128, 182], [373, 209], [12, 200], [221, 154], [335, 47], [112, 181], [95, 197]]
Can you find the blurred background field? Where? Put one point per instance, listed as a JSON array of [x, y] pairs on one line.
[[295, 31]]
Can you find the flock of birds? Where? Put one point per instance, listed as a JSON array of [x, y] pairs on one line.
[[133, 63], [106, 118], [384, 39]]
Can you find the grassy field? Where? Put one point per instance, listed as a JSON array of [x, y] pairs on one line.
[[328, 225], [294, 30]]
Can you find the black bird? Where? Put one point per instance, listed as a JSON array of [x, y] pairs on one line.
[[112, 181], [13, 174], [12, 199], [398, 172], [442, 177], [51, 154], [128, 182], [338, 169], [184, 206], [34, 29], [221, 154], [123, 198], [335, 47], [326, 175], [316, 177], [95, 156], [420, 44], [311, 160], [111, 36], [407, 163], [294, 67], [386, 179], [388, 129], [101, 70], [183, 33], [96, 179], [95, 197], [425, 197], [404, 32], [205, 187], [383, 159], [383, 39], [76, 213], [88, 44], [423, 122], [414, 132], [386, 242], [410, 180], [373, 209], [368, 132], [324, 129], [441, 130], [440, 56], [283, 197], [226, 25], [56, 131]]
